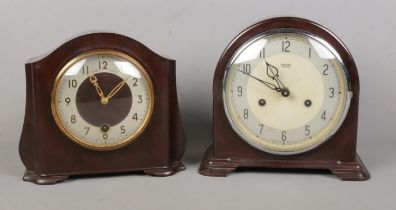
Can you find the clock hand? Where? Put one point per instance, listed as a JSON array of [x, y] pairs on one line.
[[268, 84], [94, 80], [273, 73], [117, 88]]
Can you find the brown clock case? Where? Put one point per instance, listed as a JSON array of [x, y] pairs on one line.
[[229, 151], [49, 156]]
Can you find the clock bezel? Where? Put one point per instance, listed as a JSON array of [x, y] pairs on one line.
[[306, 145], [125, 141]]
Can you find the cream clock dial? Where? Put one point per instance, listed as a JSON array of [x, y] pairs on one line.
[[286, 91], [102, 100]]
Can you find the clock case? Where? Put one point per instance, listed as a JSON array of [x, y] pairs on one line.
[[229, 151], [49, 156]]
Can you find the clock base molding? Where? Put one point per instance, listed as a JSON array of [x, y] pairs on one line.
[[43, 179], [347, 171], [351, 171], [46, 179], [166, 171]]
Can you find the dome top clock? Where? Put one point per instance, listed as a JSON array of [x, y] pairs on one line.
[[285, 96]]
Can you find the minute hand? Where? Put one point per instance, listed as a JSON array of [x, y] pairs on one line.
[[268, 84], [117, 88]]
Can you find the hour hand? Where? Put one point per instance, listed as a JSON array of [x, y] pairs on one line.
[[94, 81], [273, 73]]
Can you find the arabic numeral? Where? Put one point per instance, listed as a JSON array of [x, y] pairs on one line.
[[261, 128], [285, 46], [140, 99], [67, 100], [325, 68], [239, 89], [245, 113], [307, 131], [105, 136], [246, 68], [72, 83], [134, 81], [102, 65], [135, 116], [284, 138], [323, 117], [85, 70], [87, 130], [331, 92], [122, 129], [262, 53], [73, 119]]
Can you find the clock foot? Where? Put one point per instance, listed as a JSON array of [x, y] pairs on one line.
[[167, 171], [215, 167], [355, 171], [41, 179]]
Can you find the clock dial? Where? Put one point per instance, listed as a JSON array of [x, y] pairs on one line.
[[102, 100], [286, 91]]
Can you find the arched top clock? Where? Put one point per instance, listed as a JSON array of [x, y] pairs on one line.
[[286, 96], [101, 103]]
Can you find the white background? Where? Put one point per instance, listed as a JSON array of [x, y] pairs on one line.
[[195, 33]]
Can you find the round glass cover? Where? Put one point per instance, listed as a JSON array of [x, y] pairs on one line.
[[102, 100], [286, 91]]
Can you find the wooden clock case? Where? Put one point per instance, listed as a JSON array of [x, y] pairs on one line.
[[229, 151], [49, 156]]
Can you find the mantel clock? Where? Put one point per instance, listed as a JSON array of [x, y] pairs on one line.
[[101, 103], [285, 95]]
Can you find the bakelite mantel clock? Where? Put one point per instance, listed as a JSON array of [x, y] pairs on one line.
[[285, 95], [101, 103]]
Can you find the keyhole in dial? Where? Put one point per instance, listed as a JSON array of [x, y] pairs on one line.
[[105, 128], [307, 103], [262, 102]]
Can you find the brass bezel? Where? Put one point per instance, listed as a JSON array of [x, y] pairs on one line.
[[86, 144]]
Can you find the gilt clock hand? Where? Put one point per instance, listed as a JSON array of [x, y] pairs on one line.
[[268, 84], [94, 80], [273, 73], [116, 88]]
